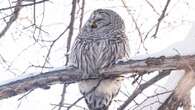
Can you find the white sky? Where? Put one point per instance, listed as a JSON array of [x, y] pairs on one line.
[[19, 52]]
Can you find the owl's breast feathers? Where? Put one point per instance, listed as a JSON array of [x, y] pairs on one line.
[[98, 46], [93, 53]]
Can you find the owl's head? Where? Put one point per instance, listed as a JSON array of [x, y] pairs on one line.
[[105, 20]]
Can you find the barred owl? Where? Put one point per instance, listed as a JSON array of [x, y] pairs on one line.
[[101, 42]]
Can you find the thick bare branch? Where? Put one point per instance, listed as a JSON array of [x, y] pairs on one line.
[[180, 96], [151, 64], [70, 75], [21, 85]]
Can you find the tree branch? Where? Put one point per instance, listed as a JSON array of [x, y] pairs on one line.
[[13, 17], [180, 96], [15, 14], [82, 8], [142, 87], [162, 16], [135, 23], [22, 5], [71, 25], [71, 75]]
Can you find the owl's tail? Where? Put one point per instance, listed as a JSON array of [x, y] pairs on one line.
[[99, 94]]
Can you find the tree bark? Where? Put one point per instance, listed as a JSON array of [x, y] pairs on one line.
[[71, 75], [181, 95]]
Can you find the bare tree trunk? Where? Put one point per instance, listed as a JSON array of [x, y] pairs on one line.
[[181, 96]]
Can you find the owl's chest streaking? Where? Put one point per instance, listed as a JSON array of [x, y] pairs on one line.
[[92, 54]]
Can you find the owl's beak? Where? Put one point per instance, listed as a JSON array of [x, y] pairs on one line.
[[93, 24]]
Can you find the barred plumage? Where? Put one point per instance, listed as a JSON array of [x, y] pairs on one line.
[[101, 42]]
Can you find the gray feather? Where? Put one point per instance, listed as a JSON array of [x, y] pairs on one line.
[[101, 42]]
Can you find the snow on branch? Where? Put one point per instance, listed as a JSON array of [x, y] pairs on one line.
[[71, 75]]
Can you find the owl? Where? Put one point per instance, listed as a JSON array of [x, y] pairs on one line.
[[100, 44]]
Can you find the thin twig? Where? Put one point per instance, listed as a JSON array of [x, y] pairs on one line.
[[71, 25], [149, 31], [15, 14], [51, 46], [22, 5], [162, 16], [13, 17], [82, 13], [142, 87], [136, 25], [152, 6], [134, 21], [25, 94], [67, 104], [93, 89], [34, 11], [149, 97], [62, 97]]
